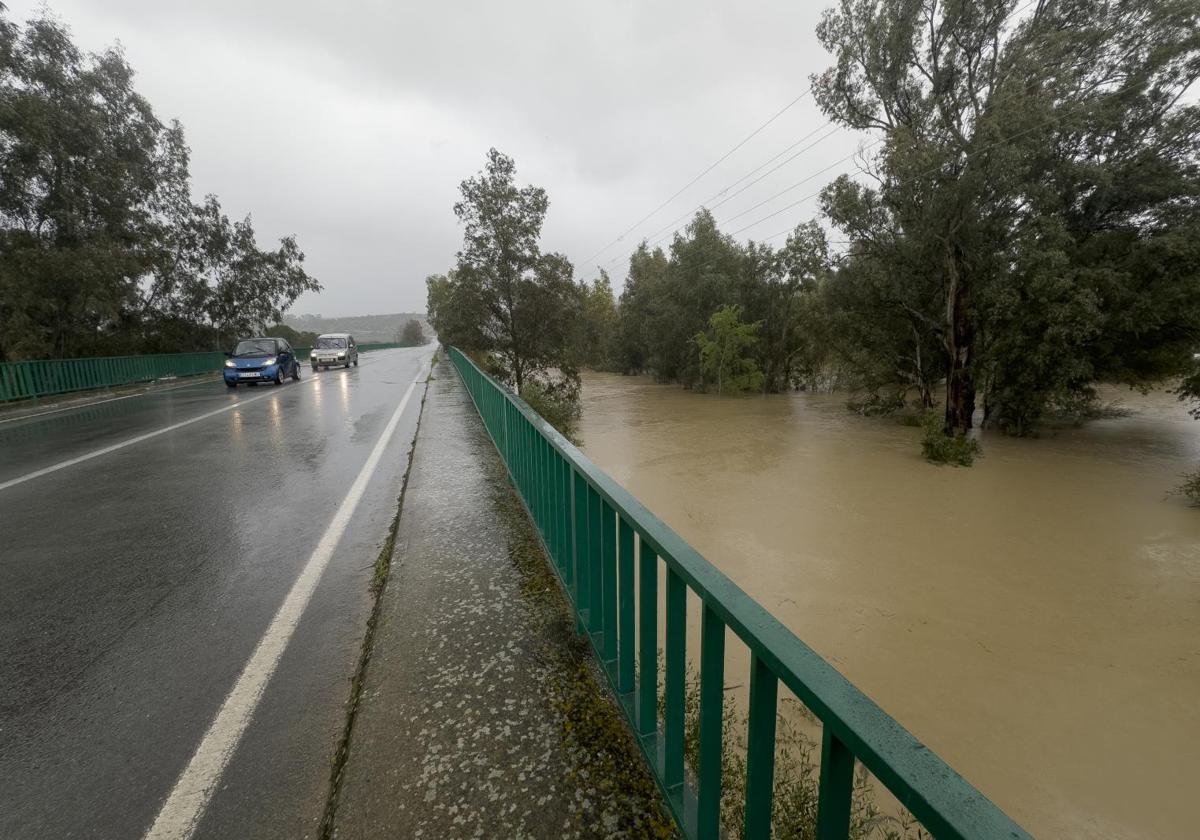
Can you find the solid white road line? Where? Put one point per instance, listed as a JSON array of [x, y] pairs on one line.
[[62, 465], [188, 799]]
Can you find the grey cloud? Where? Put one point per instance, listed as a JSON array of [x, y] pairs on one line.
[[351, 124]]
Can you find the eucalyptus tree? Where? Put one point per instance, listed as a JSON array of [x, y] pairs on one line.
[[523, 304], [78, 174], [725, 353], [598, 324], [1031, 188], [102, 249], [786, 278]]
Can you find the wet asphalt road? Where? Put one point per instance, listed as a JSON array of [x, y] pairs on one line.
[[134, 587]]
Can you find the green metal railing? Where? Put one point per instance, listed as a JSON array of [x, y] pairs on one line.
[[600, 539], [46, 377]]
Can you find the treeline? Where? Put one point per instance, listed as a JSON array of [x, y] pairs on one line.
[[1030, 224], [1025, 224], [103, 249]]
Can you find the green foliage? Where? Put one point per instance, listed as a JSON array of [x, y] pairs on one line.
[[412, 335], [1033, 218], [876, 404], [1190, 488], [940, 445], [557, 404], [506, 301], [102, 249], [724, 353], [598, 325], [794, 806]]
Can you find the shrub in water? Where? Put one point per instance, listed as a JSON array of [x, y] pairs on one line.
[[941, 448], [1190, 489], [558, 406]]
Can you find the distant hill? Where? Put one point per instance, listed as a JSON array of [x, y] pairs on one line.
[[365, 328]]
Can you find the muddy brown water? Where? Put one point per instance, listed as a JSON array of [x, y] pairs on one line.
[[1034, 619]]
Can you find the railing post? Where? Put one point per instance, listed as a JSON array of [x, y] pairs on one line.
[[564, 491], [582, 576], [674, 689], [712, 702], [837, 784], [647, 718], [760, 749], [608, 560], [628, 654], [595, 583]]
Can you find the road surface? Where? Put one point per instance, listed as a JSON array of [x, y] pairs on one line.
[[183, 590]]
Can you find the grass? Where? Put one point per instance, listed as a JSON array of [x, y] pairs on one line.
[[794, 808]]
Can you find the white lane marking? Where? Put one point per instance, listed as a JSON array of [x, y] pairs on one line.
[[186, 803], [62, 465]]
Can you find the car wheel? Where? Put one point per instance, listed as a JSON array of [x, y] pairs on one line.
[[314, 367], [356, 361], [279, 377], [229, 384], [296, 371]]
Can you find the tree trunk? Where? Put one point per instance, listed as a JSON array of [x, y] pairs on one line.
[[960, 339]]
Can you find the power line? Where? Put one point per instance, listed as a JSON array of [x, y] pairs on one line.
[[930, 171], [933, 170], [711, 167], [707, 202], [802, 181], [669, 227]]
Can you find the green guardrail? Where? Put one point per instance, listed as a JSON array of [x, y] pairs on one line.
[[47, 377], [601, 539]]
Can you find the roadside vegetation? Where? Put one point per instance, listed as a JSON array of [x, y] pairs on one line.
[[797, 774], [103, 248], [1024, 224], [412, 335]]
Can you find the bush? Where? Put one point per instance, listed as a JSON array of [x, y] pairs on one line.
[[940, 448], [875, 404], [1190, 489], [558, 406], [797, 774]]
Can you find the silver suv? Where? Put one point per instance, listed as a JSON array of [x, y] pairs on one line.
[[334, 349]]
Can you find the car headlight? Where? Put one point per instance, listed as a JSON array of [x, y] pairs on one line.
[[312, 354], [269, 362], [230, 363], [341, 355]]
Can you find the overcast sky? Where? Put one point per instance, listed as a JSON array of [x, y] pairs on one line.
[[351, 124]]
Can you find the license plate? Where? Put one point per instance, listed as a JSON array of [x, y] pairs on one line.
[[250, 375]]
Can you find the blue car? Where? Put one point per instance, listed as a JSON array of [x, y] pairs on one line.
[[257, 360]]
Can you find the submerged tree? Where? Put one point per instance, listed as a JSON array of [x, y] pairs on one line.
[[598, 324], [725, 359], [1034, 189]]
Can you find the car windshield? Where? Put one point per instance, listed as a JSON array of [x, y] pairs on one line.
[[255, 347], [327, 342]]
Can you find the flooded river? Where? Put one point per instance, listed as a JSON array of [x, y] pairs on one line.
[[1034, 619]]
